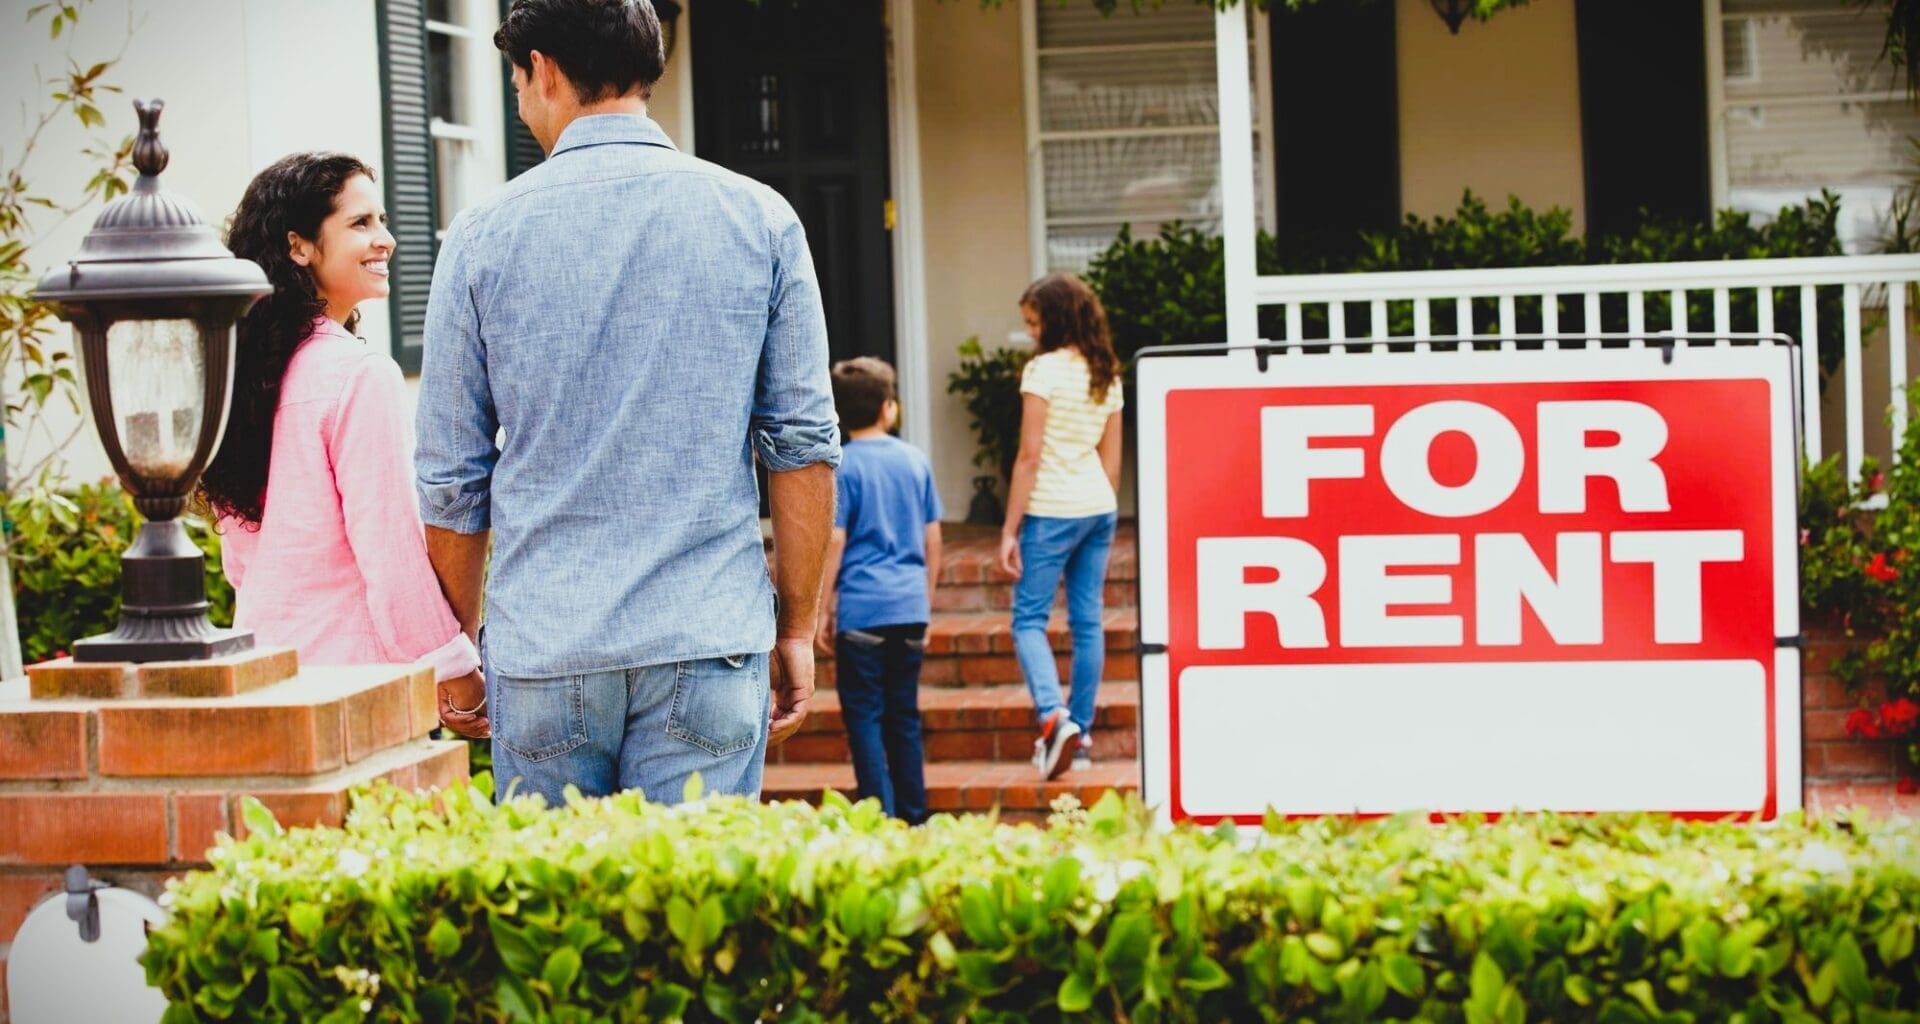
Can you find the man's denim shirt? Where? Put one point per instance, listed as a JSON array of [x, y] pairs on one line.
[[634, 325]]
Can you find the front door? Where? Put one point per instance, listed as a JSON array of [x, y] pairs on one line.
[[794, 93]]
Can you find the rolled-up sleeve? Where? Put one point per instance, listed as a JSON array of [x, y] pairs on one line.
[[456, 421], [793, 423]]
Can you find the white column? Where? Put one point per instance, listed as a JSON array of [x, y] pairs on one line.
[[1236, 172]]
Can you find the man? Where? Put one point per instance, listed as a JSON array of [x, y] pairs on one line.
[[634, 325]]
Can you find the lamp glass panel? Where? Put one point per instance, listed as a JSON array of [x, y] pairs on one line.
[[156, 374]]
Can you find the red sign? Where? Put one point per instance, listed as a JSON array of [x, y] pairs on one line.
[[1471, 596]]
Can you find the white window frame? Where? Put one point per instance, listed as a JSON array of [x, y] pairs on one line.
[[482, 135], [1714, 12], [1037, 221]]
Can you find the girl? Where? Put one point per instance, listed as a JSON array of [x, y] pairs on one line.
[[313, 483], [1061, 505]]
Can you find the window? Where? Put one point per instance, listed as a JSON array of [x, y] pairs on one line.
[[1807, 101], [441, 83], [1123, 125]]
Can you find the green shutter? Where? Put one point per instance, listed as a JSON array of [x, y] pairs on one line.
[[522, 151], [412, 213]]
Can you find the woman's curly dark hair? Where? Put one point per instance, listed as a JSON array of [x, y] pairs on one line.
[[296, 194]]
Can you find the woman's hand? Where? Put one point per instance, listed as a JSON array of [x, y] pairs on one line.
[[463, 705], [1009, 560]]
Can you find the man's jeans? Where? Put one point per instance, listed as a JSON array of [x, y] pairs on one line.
[[643, 728], [877, 672], [1051, 548]]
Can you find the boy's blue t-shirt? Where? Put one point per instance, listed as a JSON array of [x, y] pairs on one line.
[[886, 500]]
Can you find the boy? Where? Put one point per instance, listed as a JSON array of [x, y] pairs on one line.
[[884, 562]]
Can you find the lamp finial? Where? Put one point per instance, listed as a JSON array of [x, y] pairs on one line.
[[149, 156]]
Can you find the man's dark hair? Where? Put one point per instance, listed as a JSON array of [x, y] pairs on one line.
[[607, 48], [861, 387]]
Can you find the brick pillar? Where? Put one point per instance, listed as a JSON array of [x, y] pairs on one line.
[[132, 770], [1844, 771]]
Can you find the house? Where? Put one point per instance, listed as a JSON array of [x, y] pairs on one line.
[[943, 154]]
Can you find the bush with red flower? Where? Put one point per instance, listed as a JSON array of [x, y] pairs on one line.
[[1857, 570]]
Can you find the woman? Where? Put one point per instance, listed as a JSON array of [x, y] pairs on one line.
[[313, 482], [1061, 506]]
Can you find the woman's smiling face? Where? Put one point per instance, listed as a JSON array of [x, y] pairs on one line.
[[349, 259]]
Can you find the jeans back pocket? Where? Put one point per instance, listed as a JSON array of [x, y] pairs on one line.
[[539, 719], [720, 704]]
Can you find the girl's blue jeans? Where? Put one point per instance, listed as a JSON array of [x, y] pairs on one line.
[[1052, 550]]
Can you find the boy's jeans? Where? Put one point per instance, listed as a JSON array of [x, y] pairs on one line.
[[877, 672], [644, 728], [1049, 549]]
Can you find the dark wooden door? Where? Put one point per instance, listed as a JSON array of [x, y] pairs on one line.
[[794, 93]]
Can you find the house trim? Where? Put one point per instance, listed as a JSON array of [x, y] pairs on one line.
[[909, 239], [1716, 105]]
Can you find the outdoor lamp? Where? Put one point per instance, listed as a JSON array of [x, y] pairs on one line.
[[1453, 12], [153, 296]]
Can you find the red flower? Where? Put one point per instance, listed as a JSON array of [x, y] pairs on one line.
[[1878, 483], [1861, 723], [1898, 717], [1907, 786], [1880, 570]]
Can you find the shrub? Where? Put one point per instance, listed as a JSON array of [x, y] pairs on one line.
[[64, 554], [450, 908], [990, 384], [1859, 569]]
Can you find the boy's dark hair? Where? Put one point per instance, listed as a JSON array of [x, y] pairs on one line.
[[861, 387], [607, 48]]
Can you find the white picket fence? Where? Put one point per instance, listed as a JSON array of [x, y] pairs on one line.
[[1567, 304]]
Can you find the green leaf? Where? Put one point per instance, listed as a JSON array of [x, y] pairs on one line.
[[1895, 941], [692, 790], [668, 1001], [1403, 975], [1076, 994], [515, 949], [1129, 939], [257, 818], [306, 920], [443, 939], [563, 966], [1851, 971], [980, 916]]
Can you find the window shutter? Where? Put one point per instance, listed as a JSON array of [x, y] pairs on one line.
[[522, 151], [411, 196]]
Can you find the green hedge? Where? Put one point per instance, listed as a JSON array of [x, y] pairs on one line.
[[730, 910]]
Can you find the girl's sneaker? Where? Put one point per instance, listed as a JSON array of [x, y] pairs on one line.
[[1057, 733], [1083, 757]]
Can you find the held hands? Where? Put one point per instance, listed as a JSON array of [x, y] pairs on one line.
[[792, 687], [1009, 560], [463, 705]]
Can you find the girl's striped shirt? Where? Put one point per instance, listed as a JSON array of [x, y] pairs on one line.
[[1071, 482]]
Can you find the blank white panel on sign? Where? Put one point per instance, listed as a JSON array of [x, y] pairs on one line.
[[1473, 736]]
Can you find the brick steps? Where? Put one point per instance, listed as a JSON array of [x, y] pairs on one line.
[[1013, 788], [990, 723], [976, 648]]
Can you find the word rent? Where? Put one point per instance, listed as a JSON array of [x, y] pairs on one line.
[[1381, 575]]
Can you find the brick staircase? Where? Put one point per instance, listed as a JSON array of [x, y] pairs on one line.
[[975, 714]]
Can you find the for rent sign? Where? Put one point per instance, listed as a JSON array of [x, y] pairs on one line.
[[1469, 581]]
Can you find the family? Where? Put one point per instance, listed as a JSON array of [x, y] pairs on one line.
[[567, 530]]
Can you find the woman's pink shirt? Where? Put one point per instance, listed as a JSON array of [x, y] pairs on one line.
[[338, 568]]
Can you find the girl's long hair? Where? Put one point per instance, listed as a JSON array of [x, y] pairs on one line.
[[1071, 314], [295, 194]]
